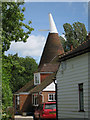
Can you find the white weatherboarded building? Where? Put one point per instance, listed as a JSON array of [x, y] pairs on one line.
[[73, 79]]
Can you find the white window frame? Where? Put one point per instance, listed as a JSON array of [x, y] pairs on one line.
[[53, 97], [35, 99], [38, 75], [18, 100]]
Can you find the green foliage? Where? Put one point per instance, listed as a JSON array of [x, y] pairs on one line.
[[75, 34], [62, 42], [6, 116], [6, 90], [20, 70], [12, 24], [16, 71]]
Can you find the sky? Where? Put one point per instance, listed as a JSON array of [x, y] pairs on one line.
[[37, 12]]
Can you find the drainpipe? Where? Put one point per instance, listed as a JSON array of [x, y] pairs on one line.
[[54, 79]]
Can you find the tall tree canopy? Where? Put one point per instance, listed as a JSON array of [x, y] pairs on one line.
[[20, 69], [13, 25], [15, 73], [75, 34]]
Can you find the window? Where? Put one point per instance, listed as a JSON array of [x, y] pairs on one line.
[[17, 99], [17, 102], [81, 100], [36, 78], [51, 97], [35, 99]]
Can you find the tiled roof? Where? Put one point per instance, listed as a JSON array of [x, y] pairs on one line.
[[44, 84], [81, 49], [49, 67], [29, 87], [52, 48]]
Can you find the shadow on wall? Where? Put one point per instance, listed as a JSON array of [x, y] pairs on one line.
[[26, 104]]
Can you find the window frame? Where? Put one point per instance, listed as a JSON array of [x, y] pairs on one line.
[[81, 97], [36, 74], [53, 97], [17, 99], [35, 97]]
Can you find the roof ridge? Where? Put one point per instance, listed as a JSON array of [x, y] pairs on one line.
[[65, 53]]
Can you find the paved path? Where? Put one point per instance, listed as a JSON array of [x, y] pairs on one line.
[[18, 117]]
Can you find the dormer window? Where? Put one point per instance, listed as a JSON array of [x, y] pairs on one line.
[[36, 78]]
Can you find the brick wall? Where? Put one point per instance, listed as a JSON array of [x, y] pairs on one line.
[[45, 94], [43, 76], [25, 103]]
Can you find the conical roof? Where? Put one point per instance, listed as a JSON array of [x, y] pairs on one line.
[[53, 45], [52, 48]]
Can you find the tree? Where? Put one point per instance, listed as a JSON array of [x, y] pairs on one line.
[[63, 42], [75, 34], [21, 70], [13, 25], [12, 30], [16, 72], [6, 76]]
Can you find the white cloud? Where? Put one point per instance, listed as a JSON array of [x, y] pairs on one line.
[[33, 47]]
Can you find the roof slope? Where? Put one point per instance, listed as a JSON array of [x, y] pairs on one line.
[[44, 84], [52, 66], [81, 49], [49, 67], [52, 48], [31, 88]]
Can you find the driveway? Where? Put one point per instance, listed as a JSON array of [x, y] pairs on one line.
[[19, 117]]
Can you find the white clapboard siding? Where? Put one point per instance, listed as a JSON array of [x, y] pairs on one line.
[[68, 78], [89, 84]]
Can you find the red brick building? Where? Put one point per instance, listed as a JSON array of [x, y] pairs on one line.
[[42, 87]]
